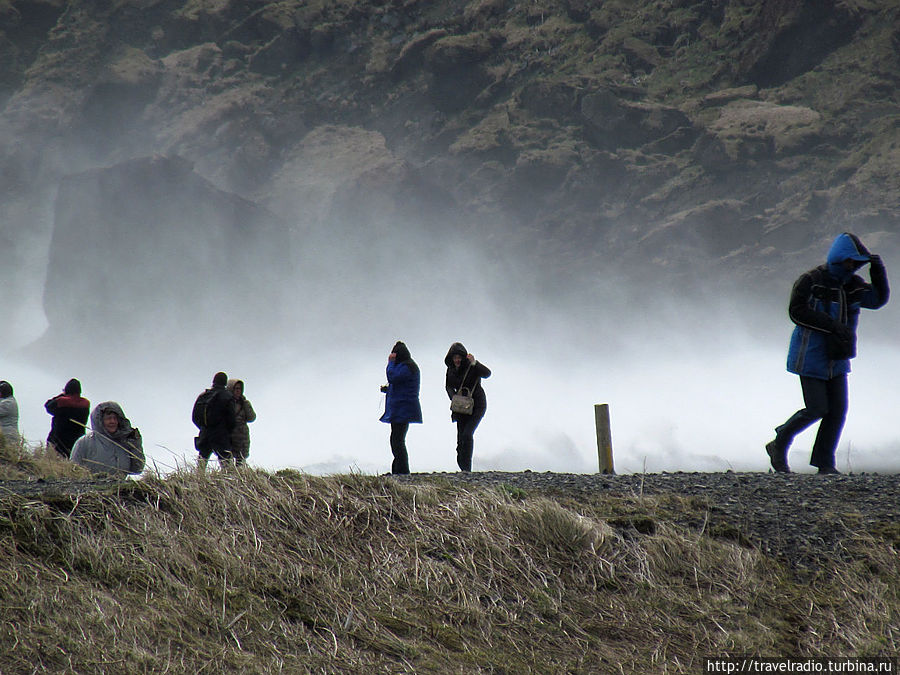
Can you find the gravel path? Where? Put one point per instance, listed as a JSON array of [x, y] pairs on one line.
[[797, 517]]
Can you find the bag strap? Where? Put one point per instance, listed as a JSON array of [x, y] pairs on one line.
[[463, 381]]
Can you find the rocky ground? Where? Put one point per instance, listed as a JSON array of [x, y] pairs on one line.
[[797, 517]]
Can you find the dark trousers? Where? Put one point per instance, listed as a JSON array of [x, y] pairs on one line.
[[398, 447], [465, 440], [825, 400]]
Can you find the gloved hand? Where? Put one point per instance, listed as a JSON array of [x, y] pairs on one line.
[[841, 330], [841, 343], [859, 245], [875, 260]]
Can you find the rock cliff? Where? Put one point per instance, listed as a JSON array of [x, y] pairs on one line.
[[739, 133]]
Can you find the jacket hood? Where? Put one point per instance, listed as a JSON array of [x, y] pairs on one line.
[[402, 352], [233, 383], [97, 420], [403, 356], [455, 348], [847, 247], [6, 389], [73, 387]]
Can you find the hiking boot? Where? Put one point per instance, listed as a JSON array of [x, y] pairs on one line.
[[828, 470], [776, 458]]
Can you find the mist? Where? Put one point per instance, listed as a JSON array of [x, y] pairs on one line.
[[157, 297], [689, 388]]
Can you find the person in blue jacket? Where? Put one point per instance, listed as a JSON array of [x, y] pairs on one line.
[[401, 406], [824, 305]]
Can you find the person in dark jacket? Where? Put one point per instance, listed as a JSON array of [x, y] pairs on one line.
[[70, 415], [243, 415], [401, 406], [464, 372], [213, 415], [825, 304]]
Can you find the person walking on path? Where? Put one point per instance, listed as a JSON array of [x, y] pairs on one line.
[[825, 304], [464, 374], [70, 415], [243, 415], [9, 413], [213, 414], [112, 446], [401, 406]]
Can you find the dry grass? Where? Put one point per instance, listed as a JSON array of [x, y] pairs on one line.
[[19, 462], [260, 573]]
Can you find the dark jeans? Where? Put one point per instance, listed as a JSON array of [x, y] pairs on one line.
[[465, 440], [206, 452], [825, 400], [398, 447]]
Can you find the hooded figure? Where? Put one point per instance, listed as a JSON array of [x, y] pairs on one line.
[[464, 372], [9, 413], [243, 414], [70, 415], [401, 406], [825, 304], [113, 445]]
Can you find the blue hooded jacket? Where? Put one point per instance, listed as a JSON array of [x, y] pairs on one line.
[[825, 304], [402, 402]]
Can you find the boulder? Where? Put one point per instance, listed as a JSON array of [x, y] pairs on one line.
[[762, 130]]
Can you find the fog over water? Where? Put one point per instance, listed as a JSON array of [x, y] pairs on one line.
[[689, 388]]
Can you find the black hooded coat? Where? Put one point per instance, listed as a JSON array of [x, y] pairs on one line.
[[468, 377]]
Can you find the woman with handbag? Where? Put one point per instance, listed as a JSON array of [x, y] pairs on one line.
[[401, 406], [468, 402]]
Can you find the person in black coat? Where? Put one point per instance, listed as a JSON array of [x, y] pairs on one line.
[[464, 372], [214, 416], [70, 415]]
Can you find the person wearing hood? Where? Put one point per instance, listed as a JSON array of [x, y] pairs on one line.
[[112, 446], [465, 372], [213, 414], [401, 405], [825, 304], [9, 413], [70, 415], [243, 415]]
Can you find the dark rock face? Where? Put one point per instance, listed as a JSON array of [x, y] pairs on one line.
[[562, 129], [613, 123], [148, 250]]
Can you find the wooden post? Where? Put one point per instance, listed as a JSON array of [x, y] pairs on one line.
[[604, 438]]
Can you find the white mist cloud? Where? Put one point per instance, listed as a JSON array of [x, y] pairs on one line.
[[672, 409]]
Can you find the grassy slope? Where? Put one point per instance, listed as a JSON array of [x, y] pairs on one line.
[[261, 573]]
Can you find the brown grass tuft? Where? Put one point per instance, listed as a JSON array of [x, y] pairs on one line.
[[19, 462], [256, 572]]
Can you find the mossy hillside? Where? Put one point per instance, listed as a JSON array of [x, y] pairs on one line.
[[510, 113], [284, 572]]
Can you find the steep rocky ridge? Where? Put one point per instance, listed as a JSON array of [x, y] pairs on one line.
[[656, 133]]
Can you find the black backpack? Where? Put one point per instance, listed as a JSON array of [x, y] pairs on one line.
[[205, 413]]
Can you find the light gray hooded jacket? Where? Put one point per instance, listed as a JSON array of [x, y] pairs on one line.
[[120, 453], [9, 419]]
